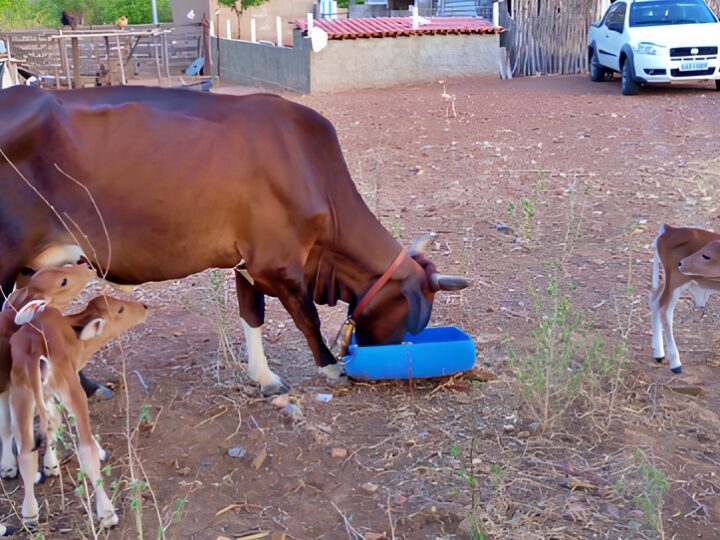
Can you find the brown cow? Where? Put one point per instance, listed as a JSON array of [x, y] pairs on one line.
[[674, 249], [187, 181], [46, 356], [55, 287]]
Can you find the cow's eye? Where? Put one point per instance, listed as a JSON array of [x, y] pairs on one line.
[[63, 282], [706, 257], [122, 308]]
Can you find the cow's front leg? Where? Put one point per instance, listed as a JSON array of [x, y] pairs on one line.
[[252, 313], [299, 304], [8, 463], [22, 406]]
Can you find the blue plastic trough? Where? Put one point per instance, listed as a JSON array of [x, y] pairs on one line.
[[434, 352]]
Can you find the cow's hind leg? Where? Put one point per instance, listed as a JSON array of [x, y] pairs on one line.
[[666, 318], [252, 313], [8, 463]]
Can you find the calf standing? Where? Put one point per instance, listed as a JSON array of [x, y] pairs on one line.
[[672, 246], [55, 287], [48, 354]]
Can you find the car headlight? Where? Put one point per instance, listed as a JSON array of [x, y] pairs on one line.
[[646, 47]]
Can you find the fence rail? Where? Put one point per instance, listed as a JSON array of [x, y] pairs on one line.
[[44, 54]]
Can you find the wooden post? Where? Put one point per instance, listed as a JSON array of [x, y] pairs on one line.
[[76, 61], [278, 26], [253, 35], [66, 62], [167, 57], [156, 47], [120, 60]]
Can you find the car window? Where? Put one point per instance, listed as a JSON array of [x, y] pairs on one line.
[[609, 14], [616, 18], [666, 12]]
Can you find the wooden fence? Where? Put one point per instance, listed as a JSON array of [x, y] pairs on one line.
[[44, 55], [550, 36]]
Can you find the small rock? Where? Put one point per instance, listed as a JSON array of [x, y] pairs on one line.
[[508, 428], [281, 401], [339, 453], [487, 411], [237, 452], [369, 487], [534, 426], [293, 411], [223, 538], [185, 471], [259, 459], [502, 227], [523, 434], [324, 398], [694, 391], [375, 536], [400, 499], [278, 536], [465, 526]]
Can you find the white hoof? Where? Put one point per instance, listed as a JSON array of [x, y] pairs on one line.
[[108, 522], [53, 470], [102, 453], [334, 372], [9, 472], [271, 384]]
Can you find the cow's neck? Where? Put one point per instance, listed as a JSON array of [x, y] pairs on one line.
[[361, 252]]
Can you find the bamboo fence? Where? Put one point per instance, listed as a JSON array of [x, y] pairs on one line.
[[550, 36]]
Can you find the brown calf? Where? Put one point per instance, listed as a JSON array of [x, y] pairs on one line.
[[55, 287], [47, 355], [674, 249]]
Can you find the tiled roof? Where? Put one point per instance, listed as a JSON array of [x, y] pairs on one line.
[[399, 26]]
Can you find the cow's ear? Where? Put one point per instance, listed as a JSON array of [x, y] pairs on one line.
[[419, 307], [27, 313], [92, 329]]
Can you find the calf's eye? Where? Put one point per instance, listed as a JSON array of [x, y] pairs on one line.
[[706, 257], [122, 308], [63, 282]]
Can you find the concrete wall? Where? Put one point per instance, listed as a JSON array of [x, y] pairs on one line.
[[357, 63], [257, 64], [373, 63]]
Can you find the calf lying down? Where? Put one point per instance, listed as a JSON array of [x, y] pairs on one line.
[[47, 354], [690, 259], [54, 287]]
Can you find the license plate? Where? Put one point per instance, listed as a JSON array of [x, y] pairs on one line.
[[693, 66]]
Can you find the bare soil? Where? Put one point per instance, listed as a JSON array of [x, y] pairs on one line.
[[629, 163]]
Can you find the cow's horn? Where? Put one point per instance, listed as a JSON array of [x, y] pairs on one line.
[[419, 246], [442, 282]]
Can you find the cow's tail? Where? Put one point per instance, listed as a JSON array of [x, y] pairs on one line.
[[37, 376], [656, 259]]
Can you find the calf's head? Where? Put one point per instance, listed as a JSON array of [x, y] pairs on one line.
[[704, 262], [404, 305], [106, 318], [56, 287]]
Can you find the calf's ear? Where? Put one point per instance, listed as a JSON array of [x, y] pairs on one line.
[[27, 313], [92, 329], [18, 296]]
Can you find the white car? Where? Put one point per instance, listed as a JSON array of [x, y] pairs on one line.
[[650, 41]]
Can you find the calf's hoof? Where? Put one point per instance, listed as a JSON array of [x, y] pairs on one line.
[[9, 472], [108, 522], [40, 477], [52, 471], [102, 393], [6, 530], [676, 370], [659, 360]]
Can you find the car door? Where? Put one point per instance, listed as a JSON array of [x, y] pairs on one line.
[[612, 34]]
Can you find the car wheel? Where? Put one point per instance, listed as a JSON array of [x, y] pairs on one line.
[[629, 86], [717, 84], [597, 72]]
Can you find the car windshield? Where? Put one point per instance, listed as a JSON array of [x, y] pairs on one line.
[[665, 12]]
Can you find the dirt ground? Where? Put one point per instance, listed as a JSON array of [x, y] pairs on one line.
[[418, 458]]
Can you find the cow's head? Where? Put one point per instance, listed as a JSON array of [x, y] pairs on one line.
[[704, 262], [404, 304]]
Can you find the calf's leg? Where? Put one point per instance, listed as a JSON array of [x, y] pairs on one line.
[[22, 406], [8, 463]]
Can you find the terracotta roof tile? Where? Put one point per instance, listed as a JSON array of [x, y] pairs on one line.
[[400, 26]]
